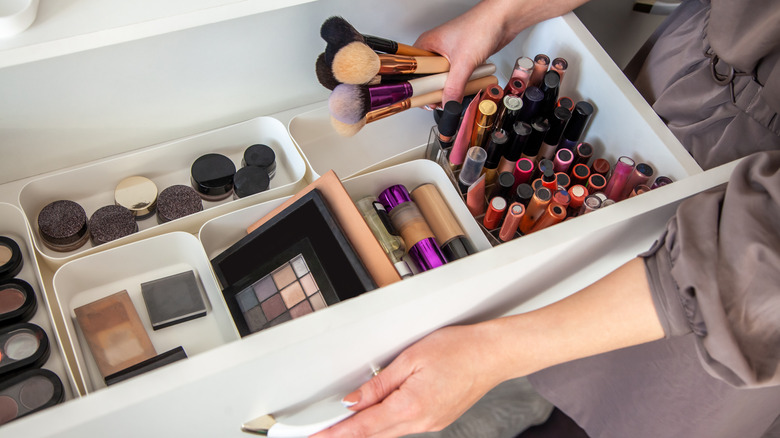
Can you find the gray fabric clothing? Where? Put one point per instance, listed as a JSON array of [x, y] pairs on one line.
[[714, 275], [715, 272]]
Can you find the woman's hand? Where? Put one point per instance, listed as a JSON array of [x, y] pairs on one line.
[[427, 387]]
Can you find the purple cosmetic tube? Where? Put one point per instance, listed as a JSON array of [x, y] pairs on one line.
[[620, 174], [409, 221], [576, 126]]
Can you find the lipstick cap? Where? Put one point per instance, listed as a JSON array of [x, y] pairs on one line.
[[394, 196], [450, 118], [557, 122], [532, 102], [521, 131]]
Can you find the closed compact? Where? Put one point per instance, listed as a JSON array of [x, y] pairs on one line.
[[11, 260], [29, 392], [110, 223], [260, 155], [63, 225], [17, 301], [22, 345], [137, 194], [212, 176], [250, 180]]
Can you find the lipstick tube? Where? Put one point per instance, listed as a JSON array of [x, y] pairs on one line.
[[448, 233], [511, 110], [495, 150], [508, 229], [541, 63], [409, 221], [494, 213], [536, 207], [550, 86], [523, 171], [494, 93], [576, 126], [472, 167], [504, 184], [524, 66], [660, 182], [523, 194], [600, 166], [515, 87], [532, 104], [591, 203], [553, 214], [563, 160], [520, 132], [375, 215], [638, 190], [578, 194], [561, 197], [559, 65], [560, 116], [563, 180], [549, 180], [580, 173], [639, 176], [596, 183], [582, 153], [539, 129], [617, 181], [486, 115], [566, 102]]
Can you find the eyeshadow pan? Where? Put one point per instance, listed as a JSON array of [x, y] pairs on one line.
[[265, 288], [36, 392], [21, 345], [10, 299], [309, 285], [246, 300], [317, 301], [299, 265], [301, 309], [293, 294], [255, 319], [5, 254], [273, 307], [8, 409], [283, 276]]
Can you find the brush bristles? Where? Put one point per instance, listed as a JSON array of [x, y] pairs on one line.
[[349, 103], [336, 30], [346, 129], [355, 63], [325, 73]]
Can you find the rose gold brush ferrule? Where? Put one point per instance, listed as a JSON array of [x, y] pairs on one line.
[[388, 111], [396, 64]]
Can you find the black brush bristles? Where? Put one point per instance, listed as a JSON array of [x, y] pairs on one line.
[[325, 73], [336, 30]]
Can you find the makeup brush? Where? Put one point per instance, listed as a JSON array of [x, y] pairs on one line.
[[326, 78], [348, 130], [349, 103], [336, 30], [356, 63]]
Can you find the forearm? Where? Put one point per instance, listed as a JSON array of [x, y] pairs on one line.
[[520, 14], [615, 312]]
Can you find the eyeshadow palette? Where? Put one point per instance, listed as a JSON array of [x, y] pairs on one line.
[[28, 392], [158, 361], [297, 262]]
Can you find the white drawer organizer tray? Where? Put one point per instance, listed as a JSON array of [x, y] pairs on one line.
[[92, 186]]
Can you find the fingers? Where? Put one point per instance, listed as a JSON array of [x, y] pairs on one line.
[[378, 388], [456, 81]]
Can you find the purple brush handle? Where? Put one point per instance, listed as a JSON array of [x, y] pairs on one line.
[[384, 95]]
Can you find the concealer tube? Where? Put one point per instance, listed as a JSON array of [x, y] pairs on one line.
[[409, 221], [483, 122], [375, 215], [536, 207], [508, 229], [553, 214], [448, 233]]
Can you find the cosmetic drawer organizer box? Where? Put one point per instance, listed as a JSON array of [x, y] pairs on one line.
[[80, 109]]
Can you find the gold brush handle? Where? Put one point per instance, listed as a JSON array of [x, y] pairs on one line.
[[399, 64]]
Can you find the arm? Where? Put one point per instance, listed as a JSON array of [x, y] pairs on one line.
[[433, 382], [469, 39]]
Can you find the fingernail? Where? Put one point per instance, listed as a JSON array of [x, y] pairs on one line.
[[351, 399]]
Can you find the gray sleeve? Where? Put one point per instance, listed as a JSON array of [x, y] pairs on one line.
[[716, 272]]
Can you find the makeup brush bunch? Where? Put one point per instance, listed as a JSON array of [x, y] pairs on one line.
[[372, 77], [518, 157]]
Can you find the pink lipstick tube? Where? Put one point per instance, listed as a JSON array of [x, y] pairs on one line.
[[620, 174]]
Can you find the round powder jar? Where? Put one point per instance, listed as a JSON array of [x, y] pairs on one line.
[[11, 260], [260, 155], [250, 180], [110, 223], [137, 194], [176, 202], [63, 226], [212, 176]]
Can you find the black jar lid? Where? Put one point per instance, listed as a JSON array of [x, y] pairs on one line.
[[212, 175], [11, 260], [260, 155], [17, 301], [250, 180]]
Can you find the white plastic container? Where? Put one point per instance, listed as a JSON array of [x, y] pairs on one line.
[[125, 268], [167, 164]]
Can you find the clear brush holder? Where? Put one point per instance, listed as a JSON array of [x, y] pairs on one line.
[[438, 152]]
